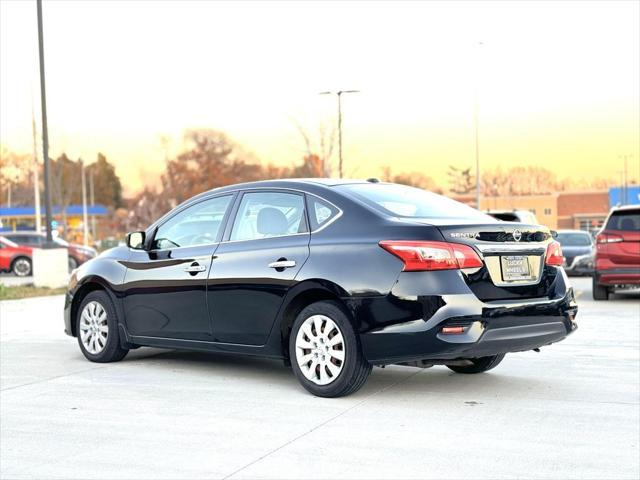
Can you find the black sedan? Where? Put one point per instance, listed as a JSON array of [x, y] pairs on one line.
[[333, 277]]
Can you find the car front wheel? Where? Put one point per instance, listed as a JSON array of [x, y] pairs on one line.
[[97, 329], [478, 365], [325, 351]]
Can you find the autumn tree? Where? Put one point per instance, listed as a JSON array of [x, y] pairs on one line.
[[210, 160], [412, 179], [319, 150], [16, 178], [461, 180], [519, 181], [106, 183], [66, 187]]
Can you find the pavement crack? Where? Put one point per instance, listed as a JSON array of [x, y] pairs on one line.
[[320, 425]]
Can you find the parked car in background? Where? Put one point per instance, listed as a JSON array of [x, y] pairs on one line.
[[522, 216], [577, 247], [78, 254], [14, 258], [331, 276], [617, 258]]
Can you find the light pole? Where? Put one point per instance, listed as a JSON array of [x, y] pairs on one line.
[[339, 95], [45, 134]]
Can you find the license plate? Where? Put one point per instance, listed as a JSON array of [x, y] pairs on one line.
[[515, 267]]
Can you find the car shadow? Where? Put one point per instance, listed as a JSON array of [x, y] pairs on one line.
[[383, 382]]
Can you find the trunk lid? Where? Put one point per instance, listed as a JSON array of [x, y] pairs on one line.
[[513, 255]]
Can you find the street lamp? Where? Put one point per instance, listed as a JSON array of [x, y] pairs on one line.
[[45, 134], [339, 95]]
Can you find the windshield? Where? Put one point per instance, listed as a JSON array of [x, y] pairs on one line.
[[7, 242], [574, 239], [60, 241], [403, 201]]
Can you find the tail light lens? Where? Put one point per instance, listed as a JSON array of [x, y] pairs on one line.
[[554, 254], [608, 238], [419, 256]]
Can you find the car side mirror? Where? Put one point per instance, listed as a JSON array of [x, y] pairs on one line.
[[135, 240]]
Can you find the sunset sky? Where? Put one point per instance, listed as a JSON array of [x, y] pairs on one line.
[[558, 82]]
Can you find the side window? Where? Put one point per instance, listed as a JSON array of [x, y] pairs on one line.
[[320, 212], [197, 225], [269, 214]]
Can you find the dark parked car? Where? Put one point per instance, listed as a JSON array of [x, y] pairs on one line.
[[14, 258], [578, 249], [521, 216], [78, 254], [331, 276], [618, 252]]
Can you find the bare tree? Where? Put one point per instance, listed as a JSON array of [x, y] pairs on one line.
[[322, 148]]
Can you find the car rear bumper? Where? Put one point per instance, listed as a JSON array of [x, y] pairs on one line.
[[490, 328], [618, 276]]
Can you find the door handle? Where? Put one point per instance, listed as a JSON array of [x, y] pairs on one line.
[[195, 268], [282, 264]]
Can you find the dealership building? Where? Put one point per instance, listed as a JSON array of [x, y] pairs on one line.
[[581, 210]]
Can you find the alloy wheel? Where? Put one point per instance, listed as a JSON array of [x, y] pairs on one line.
[[320, 349], [94, 329], [22, 267]]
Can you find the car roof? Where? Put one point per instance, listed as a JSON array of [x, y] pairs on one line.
[[625, 207], [285, 183]]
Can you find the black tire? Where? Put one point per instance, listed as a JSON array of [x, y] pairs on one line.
[[355, 369], [73, 263], [482, 364], [22, 267], [600, 292], [112, 351]]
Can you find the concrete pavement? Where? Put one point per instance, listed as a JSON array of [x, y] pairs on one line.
[[571, 411]]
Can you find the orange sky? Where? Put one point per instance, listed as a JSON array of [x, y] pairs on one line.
[[558, 82]]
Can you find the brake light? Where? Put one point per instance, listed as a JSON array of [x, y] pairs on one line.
[[418, 256], [608, 238], [554, 255]]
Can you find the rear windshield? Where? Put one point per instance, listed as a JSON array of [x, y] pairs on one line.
[[403, 201], [574, 239], [625, 220]]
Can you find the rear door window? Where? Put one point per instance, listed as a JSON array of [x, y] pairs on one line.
[[269, 214], [624, 220]]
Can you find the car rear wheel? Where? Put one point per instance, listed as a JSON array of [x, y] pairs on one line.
[[600, 292], [478, 365], [325, 351], [97, 329], [21, 267]]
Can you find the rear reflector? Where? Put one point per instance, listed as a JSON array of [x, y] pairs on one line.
[[554, 255], [420, 256], [452, 330]]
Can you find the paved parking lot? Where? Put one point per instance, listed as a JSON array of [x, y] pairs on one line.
[[571, 411]]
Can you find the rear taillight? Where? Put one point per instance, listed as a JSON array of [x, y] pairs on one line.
[[554, 255], [432, 255], [608, 238]]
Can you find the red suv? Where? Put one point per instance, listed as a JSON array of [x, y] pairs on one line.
[[617, 262]]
